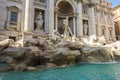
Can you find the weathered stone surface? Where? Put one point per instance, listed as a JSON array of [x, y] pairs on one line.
[[115, 47], [60, 56], [102, 40], [5, 43], [117, 55], [50, 65], [30, 68], [6, 68], [20, 67], [16, 52], [33, 57], [40, 51], [8, 60], [38, 42], [35, 51], [71, 45], [96, 54]]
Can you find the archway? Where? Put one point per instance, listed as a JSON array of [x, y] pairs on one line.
[[65, 8]]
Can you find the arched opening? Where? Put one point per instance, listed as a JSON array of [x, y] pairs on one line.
[[64, 9]]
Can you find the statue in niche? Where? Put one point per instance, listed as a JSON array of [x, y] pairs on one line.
[[39, 22], [67, 30], [85, 28]]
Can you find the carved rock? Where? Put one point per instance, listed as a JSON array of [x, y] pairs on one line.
[[20, 67], [60, 56], [96, 54], [16, 53], [70, 45], [5, 43]]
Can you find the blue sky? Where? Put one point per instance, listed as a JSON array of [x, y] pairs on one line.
[[115, 2]]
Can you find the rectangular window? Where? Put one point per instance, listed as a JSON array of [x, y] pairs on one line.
[[111, 33], [103, 32], [42, 1], [14, 17]]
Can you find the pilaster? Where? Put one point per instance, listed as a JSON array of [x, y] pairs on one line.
[[79, 20], [107, 34], [3, 14], [99, 26], [92, 30], [113, 33], [23, 15], [49, 26], [74, 26]]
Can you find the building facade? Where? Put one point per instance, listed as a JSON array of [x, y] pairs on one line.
[[116, 12], [18, 16]]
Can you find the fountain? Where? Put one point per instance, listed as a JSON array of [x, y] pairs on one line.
[[56, 50]]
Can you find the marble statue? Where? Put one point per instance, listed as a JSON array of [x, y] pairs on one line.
[[39, 21], [66, 27], [85, 29]]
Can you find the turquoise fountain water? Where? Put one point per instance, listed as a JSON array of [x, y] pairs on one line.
[[82, 71]]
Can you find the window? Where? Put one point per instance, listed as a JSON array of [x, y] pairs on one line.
[[103, 32], [102, 14], [110, 31], [13, 17], [109, 16], [96, 30], [41, 1]]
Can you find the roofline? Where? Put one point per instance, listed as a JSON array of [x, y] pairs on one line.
[[117, 7]]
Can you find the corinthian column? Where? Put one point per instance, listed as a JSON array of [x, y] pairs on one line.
[[49, 18], [29, 10], [79, 20], [107, 34], [92, 30]]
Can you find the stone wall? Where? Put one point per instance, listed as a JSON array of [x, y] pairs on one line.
[[3, 13]]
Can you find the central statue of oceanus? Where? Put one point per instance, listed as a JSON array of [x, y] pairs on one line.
[[67, 30]]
